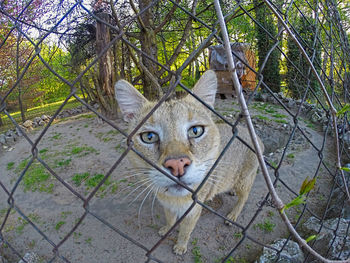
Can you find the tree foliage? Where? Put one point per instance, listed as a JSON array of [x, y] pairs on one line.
[[297, 76], [266, 34]]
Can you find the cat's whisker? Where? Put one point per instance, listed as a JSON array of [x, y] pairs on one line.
[[137, 175], [144, 183], [144, 199], [140, 194], [139, 171], [133, 185], [153, 201]]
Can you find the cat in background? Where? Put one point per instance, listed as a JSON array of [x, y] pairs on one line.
[[183, 140]]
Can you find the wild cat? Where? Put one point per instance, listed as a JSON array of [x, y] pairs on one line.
[[183, 140]]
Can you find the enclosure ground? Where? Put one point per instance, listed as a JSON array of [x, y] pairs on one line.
[[82, 149]]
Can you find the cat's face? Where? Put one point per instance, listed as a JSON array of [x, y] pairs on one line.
[[180, 137]]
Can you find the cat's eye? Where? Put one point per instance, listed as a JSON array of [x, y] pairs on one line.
[[195, 131], [149, 137]]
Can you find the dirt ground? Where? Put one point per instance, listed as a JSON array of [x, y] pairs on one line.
[[81, 149]]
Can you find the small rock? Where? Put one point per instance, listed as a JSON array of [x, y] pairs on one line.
[[96, 106], [291, 253], [28, 124], [41, 123], [45, 117], [10, 139], [2, 139], [2, 259], [315, 117], [37, 119], [346, 138], [30, 257], [326, 239]]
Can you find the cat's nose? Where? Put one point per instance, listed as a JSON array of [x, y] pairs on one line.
[[177, 166]]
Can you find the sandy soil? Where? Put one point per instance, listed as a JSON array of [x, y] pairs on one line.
[[82, 144]]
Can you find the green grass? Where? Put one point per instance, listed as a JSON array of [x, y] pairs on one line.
[[106, 136], [270, 213], [261, 117], [91, 181], [281, 121], [119, 148], [22, 224], [36, 177], [59, 225], [63, 163], [94, 180], [10, 165], [48, 109], [267, 226], [22, 165], [238, 235], [270, 110], [88, 240], [231, 260], [43, 151], [85, 116], [56, 136], [65, 214], [291, 156], [82, 150], [196, 252], [278, 115], [79, 178]]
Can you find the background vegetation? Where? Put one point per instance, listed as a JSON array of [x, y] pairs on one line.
[[164, 37]]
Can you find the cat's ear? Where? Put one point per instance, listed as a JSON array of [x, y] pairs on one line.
[[206, 87], [129, 99]]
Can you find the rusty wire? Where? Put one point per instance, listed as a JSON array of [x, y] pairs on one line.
[[335, 36]]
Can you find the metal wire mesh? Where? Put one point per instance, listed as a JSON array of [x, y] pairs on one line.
[[329, 41]]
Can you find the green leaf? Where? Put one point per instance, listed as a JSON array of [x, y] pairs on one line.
[[346, 169], [310, 238], [307, 186], [343, 110], [300, 199]]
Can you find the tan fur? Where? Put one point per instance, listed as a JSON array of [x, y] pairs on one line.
[[236, 171]]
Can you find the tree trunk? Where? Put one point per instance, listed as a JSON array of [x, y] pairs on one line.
[[20, 103], [148, 41], [106, 75]]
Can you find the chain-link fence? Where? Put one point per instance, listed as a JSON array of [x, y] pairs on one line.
[[66, 187]]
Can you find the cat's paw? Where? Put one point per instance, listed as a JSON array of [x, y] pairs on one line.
[[180, 249], [163, 230], [228, 223], [231, 217], [232, 193]]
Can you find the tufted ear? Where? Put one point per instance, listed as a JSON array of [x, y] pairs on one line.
[[206, 87], [129, 99]]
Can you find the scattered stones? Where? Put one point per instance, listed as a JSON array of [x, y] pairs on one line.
[[11, 136], [2, 139], [2, 260], [315, 114], [28, 124], [37, 119], [338, 244], [45, 117], [30, 257], [291, 253], [339, 205]]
